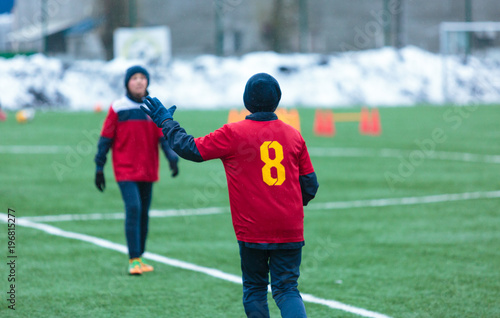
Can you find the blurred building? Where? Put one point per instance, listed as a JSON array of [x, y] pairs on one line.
[[58, 27], [83, 29]]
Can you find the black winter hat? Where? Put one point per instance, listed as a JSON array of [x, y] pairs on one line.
[[133, 70], [262, 93]]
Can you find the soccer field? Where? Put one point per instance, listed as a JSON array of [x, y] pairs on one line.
[[406, 224]]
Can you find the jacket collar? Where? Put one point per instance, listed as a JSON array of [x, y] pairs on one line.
[[132, 98], [262, 116]]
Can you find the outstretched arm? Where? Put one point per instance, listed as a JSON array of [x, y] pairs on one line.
[[180, 142], [177, 138]]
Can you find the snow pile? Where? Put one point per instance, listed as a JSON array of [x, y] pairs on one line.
[[383, 77]]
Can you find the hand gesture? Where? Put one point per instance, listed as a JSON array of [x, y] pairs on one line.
[[155, 109]]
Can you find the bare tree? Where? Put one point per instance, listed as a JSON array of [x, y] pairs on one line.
[[399, 24], [116, 15], [282, 26]]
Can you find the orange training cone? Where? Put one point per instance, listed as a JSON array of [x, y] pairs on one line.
[[323, 123], [97, 107], [376, 127], [235, 115], [290, 117], [332, 124], [295, 119], [364, 122]]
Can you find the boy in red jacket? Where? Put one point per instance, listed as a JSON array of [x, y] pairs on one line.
[[134, 140], [270, 177]]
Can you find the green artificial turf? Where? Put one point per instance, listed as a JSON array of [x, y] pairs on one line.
[[423, 260]]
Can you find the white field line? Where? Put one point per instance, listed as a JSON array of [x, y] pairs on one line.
[[121, 215], [405, 201], [317, 152], [181, 264], [398, 153], [313, 206], [31, 149]]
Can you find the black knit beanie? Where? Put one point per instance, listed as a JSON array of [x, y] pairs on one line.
[[262, 93], [133, 70]]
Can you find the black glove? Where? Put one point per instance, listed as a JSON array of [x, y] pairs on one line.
[[174, 168], [155, 109], [100, 183]]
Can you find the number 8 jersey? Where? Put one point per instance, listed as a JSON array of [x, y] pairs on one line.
[[268, 169]]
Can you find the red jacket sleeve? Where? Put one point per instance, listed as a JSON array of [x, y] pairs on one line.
[[110, 123], [305, 165], [217, 144]]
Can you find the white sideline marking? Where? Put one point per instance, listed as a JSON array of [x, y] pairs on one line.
[[181, 264], [31, 149], [405, 201], [121, 215], [398, 153], [313, 206]]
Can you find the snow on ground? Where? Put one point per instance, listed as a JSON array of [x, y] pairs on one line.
[[382, 77]]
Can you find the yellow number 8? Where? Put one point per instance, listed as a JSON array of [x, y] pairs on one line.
[[269, 163]]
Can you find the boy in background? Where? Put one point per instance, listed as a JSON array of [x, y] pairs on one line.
[[134, 140]]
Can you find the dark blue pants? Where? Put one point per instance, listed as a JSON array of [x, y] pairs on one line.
[[283, 264], [137, 198]]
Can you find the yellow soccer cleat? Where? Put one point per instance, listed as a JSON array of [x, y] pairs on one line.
[[145, 267], [134, 267]]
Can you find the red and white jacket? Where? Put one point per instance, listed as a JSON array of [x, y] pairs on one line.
[[133, 138]]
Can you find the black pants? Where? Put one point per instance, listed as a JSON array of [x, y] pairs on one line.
[[283, 265], [137, 199]]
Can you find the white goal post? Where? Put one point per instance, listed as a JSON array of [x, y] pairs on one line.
[[446, 32]]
